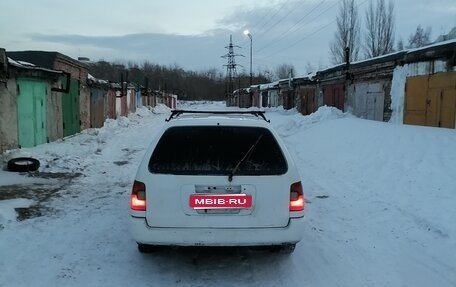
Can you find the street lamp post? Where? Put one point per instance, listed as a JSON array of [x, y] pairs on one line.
[[247, 33]]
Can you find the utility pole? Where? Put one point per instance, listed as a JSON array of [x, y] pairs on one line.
[[247, 33], [230, 68]]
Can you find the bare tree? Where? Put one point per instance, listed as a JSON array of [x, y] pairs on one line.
[[445, 37], [267, 74], [284, 71], [379, 29], [400, 45], [420, 38], [309, 68], [347, 34]]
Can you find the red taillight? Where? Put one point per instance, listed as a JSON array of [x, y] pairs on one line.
[[296, 197], [138, 196]]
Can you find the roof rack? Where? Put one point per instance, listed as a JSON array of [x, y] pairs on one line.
[[176, 113]]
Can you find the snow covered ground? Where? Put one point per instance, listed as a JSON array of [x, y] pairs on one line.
[[381, 210]]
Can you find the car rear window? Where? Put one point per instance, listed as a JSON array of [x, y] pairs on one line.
[[216, 150]]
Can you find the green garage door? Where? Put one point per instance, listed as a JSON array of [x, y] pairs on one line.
[[70, 109], [31, 112]]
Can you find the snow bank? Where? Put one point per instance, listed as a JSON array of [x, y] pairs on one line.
[[397, 94], [202, 105], [326, 113], [296, 123], [161, 109], [143, 112]]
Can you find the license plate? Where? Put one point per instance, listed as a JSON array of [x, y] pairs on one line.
[[220, 201]]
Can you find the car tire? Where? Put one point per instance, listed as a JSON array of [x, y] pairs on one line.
[[146, 248], [23, 164]]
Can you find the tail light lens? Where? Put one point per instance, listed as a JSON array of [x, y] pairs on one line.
[[296, 197], [138, 196]]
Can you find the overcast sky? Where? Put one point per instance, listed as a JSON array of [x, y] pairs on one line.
[[193, 34]]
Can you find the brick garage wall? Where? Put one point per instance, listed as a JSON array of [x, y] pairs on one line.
[[79, 73]]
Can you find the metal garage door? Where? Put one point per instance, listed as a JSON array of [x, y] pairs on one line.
[[334, 96], [307, 100], [96, 108], [369, 100], [31, 112], [431, 100], [70, 109]]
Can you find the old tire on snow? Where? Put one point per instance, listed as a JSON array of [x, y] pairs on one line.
[[23, 164]]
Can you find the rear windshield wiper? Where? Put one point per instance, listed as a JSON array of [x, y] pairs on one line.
[[230, 176]]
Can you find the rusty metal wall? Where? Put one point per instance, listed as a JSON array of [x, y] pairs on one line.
[[110, 104], [288, 99], [132, 97], [148, 99], [334, 95], [8, 115], [54, 116], [97, 105], [84, 106], [305, 99], [123, 106], [245, 100]]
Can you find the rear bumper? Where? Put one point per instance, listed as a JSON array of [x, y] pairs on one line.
[[142, 233]]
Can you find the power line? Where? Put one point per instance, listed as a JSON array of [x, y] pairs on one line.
[[277, 12], [261, 20], [309, 35], [304, 25], [299, 4], [299, 41], [295, 25], [264, 17]]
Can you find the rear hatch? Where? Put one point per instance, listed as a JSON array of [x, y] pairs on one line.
[[217, 177], [169, 205]]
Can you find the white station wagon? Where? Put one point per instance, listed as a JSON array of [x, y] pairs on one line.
[[219, 178]]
